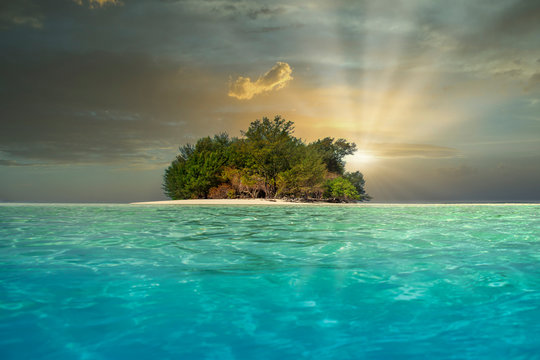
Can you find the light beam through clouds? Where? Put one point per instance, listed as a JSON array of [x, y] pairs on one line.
[[422, 88]]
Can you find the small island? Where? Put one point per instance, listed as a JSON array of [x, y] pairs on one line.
[[266, 162]]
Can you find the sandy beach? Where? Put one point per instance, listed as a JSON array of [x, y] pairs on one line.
[[283, 202], [222, 202]]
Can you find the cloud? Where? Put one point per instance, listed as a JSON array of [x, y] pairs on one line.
[[28, 21], [276, 78], [413, 151], [457, 171], [93, 4], [4, 162], [533, 82], [265, 11], [20, 13], [82, 107], [267, 29], [519, 18]]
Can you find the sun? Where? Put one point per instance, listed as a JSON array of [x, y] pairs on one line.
[[362, 157]]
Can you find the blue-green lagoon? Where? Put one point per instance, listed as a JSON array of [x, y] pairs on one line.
[[269, 282]]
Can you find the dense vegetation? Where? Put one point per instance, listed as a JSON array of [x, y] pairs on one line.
[[266, 162]]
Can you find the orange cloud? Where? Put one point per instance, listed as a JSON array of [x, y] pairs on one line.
[[276, 78]]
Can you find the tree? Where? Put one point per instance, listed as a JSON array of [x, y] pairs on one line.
[[197, 168], [267, 162], [357, 180], [174, 180], [305, 178], [270, 147], [202, 172], [333, 153], [244, 182], [341, 189]]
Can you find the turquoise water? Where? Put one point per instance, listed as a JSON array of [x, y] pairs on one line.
[[255, 282]]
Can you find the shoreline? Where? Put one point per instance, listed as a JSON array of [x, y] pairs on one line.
[[228, 202], [272, 202]]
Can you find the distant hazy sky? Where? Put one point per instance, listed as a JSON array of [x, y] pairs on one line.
[[441, 97]]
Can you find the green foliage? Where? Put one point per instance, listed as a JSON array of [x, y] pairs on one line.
[[305, 178], [197, 168], [333, 153], [267, 162], [203, 170], [174, 180], [244, 182], [271, 147], [357, 180], [340, 189]]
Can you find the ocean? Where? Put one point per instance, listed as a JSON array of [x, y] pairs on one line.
[[269, 282]]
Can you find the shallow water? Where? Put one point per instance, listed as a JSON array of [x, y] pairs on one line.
[[256, 282]]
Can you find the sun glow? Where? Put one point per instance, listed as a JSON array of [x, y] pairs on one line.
[[362, 157]]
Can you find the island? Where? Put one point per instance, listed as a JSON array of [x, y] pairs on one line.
[[266, 162]]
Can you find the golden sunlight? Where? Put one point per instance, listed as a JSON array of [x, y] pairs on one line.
[[362, 157]]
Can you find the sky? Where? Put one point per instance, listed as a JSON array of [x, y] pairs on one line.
[[441, 98]]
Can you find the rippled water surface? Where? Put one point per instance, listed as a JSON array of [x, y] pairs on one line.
[[255, 282]]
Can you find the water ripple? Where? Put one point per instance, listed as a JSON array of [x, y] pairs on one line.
[[324, 282]]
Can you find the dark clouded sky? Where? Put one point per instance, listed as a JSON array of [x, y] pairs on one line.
[[442, 98]]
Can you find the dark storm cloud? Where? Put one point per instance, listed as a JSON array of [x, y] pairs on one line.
[[239, 9], [265, 11], [267, 29], [14, 163], [485, 25], [93, 4], [20, 13], [521, 17], [181, 30], [534, 82], [95, 107]]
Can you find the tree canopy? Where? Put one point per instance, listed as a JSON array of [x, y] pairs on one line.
[[267, 161]]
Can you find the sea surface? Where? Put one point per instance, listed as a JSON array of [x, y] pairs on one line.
[[269, 282]]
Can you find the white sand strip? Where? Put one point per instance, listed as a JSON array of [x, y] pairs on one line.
[[283, 202], [219, 202]]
